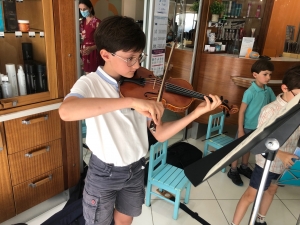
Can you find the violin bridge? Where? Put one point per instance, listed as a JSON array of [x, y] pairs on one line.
[[154, 84]]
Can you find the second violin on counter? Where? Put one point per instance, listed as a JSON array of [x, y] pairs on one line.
[[177, 94]]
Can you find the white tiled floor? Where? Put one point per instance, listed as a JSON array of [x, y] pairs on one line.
[[214, 200]]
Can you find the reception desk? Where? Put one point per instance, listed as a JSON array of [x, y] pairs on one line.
[[215, 73]]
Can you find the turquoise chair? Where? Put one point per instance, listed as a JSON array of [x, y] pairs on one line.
[[165, 177], [214, 135], [83, 128]]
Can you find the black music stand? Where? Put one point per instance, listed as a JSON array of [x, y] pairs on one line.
[[264, 140]]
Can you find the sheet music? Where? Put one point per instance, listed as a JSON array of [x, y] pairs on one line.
[[285, 109]]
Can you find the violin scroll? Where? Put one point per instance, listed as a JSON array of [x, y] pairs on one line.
[[225, 107]]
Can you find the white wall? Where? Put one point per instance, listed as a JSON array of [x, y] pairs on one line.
[[133, 8]]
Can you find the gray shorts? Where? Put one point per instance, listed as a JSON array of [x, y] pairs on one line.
[[246, 131], [108, 187]]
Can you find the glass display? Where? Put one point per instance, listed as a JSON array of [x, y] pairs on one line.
[[239, 19], [182, 23], [23, 55]]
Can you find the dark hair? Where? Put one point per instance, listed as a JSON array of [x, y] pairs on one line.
[[292, 78], [117, 33], [262, 65], [89, 4]]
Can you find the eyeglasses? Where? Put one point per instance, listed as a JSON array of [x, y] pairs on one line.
[[132, 60], [293, 93]]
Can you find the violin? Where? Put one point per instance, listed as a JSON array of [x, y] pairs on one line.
[[177, 93]]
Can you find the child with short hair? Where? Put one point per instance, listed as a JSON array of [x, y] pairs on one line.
[[117, 127], [254, 99], [284, 157]]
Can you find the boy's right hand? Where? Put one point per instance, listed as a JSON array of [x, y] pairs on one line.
[[152, 109], [241, 133]]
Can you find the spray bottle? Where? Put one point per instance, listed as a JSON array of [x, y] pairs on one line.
[[21, 81]]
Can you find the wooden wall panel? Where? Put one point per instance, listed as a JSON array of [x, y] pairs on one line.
[[7, 206], [284, 13], [67, 72], [182, 63]]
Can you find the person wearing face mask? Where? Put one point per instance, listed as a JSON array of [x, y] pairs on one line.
[[90, 56]]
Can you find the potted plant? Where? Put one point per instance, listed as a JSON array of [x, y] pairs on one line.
[[195, 6], [216, 8]]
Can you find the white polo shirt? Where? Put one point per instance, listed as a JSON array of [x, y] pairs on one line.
[[118, 137]]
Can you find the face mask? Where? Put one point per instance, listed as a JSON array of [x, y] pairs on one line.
[[85, 13]]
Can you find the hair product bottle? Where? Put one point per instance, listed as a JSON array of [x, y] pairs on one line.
[[32, 75], [27, 51], [21, 81], [248, 10], [6, 87], [1, 95], [258, 11], [27, 78], [12, 76], [41, 79]]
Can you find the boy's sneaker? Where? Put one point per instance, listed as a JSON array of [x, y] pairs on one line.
[[258, 223], [246, 172], [235, 177]]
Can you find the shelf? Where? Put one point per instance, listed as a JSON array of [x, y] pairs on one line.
[[246, 82], [31, 30], [243, 17]]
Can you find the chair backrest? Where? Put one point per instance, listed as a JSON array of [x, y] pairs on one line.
[[215, 124], [157, 158]]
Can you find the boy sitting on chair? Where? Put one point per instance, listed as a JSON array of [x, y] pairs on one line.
[[284, 157], [255, 97]]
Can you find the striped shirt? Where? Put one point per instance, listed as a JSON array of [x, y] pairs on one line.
[[289, 146]]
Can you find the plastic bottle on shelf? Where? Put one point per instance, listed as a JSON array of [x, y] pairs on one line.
[[12, 76], [248, 10], [21, 81], [6, 87], [229, 9], [258, 11], [1, 95]]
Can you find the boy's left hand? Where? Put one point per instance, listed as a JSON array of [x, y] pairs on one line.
[[286, 158], [207, 106]]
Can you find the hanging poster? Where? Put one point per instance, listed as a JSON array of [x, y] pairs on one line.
[[159, 37], [159, 45], [161, 8]]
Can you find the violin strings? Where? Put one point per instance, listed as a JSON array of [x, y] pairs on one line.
[[176, 89], [183, 91]]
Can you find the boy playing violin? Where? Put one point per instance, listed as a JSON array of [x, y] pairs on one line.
[[116, 127]]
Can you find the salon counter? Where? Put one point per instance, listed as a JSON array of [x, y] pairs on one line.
[[214, 74]]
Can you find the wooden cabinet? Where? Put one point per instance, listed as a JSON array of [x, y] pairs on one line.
[[32, 161], [39, 153], [38, 189], [26, 132], [7, 208]]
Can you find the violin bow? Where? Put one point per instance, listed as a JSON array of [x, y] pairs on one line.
[[160, 93]]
